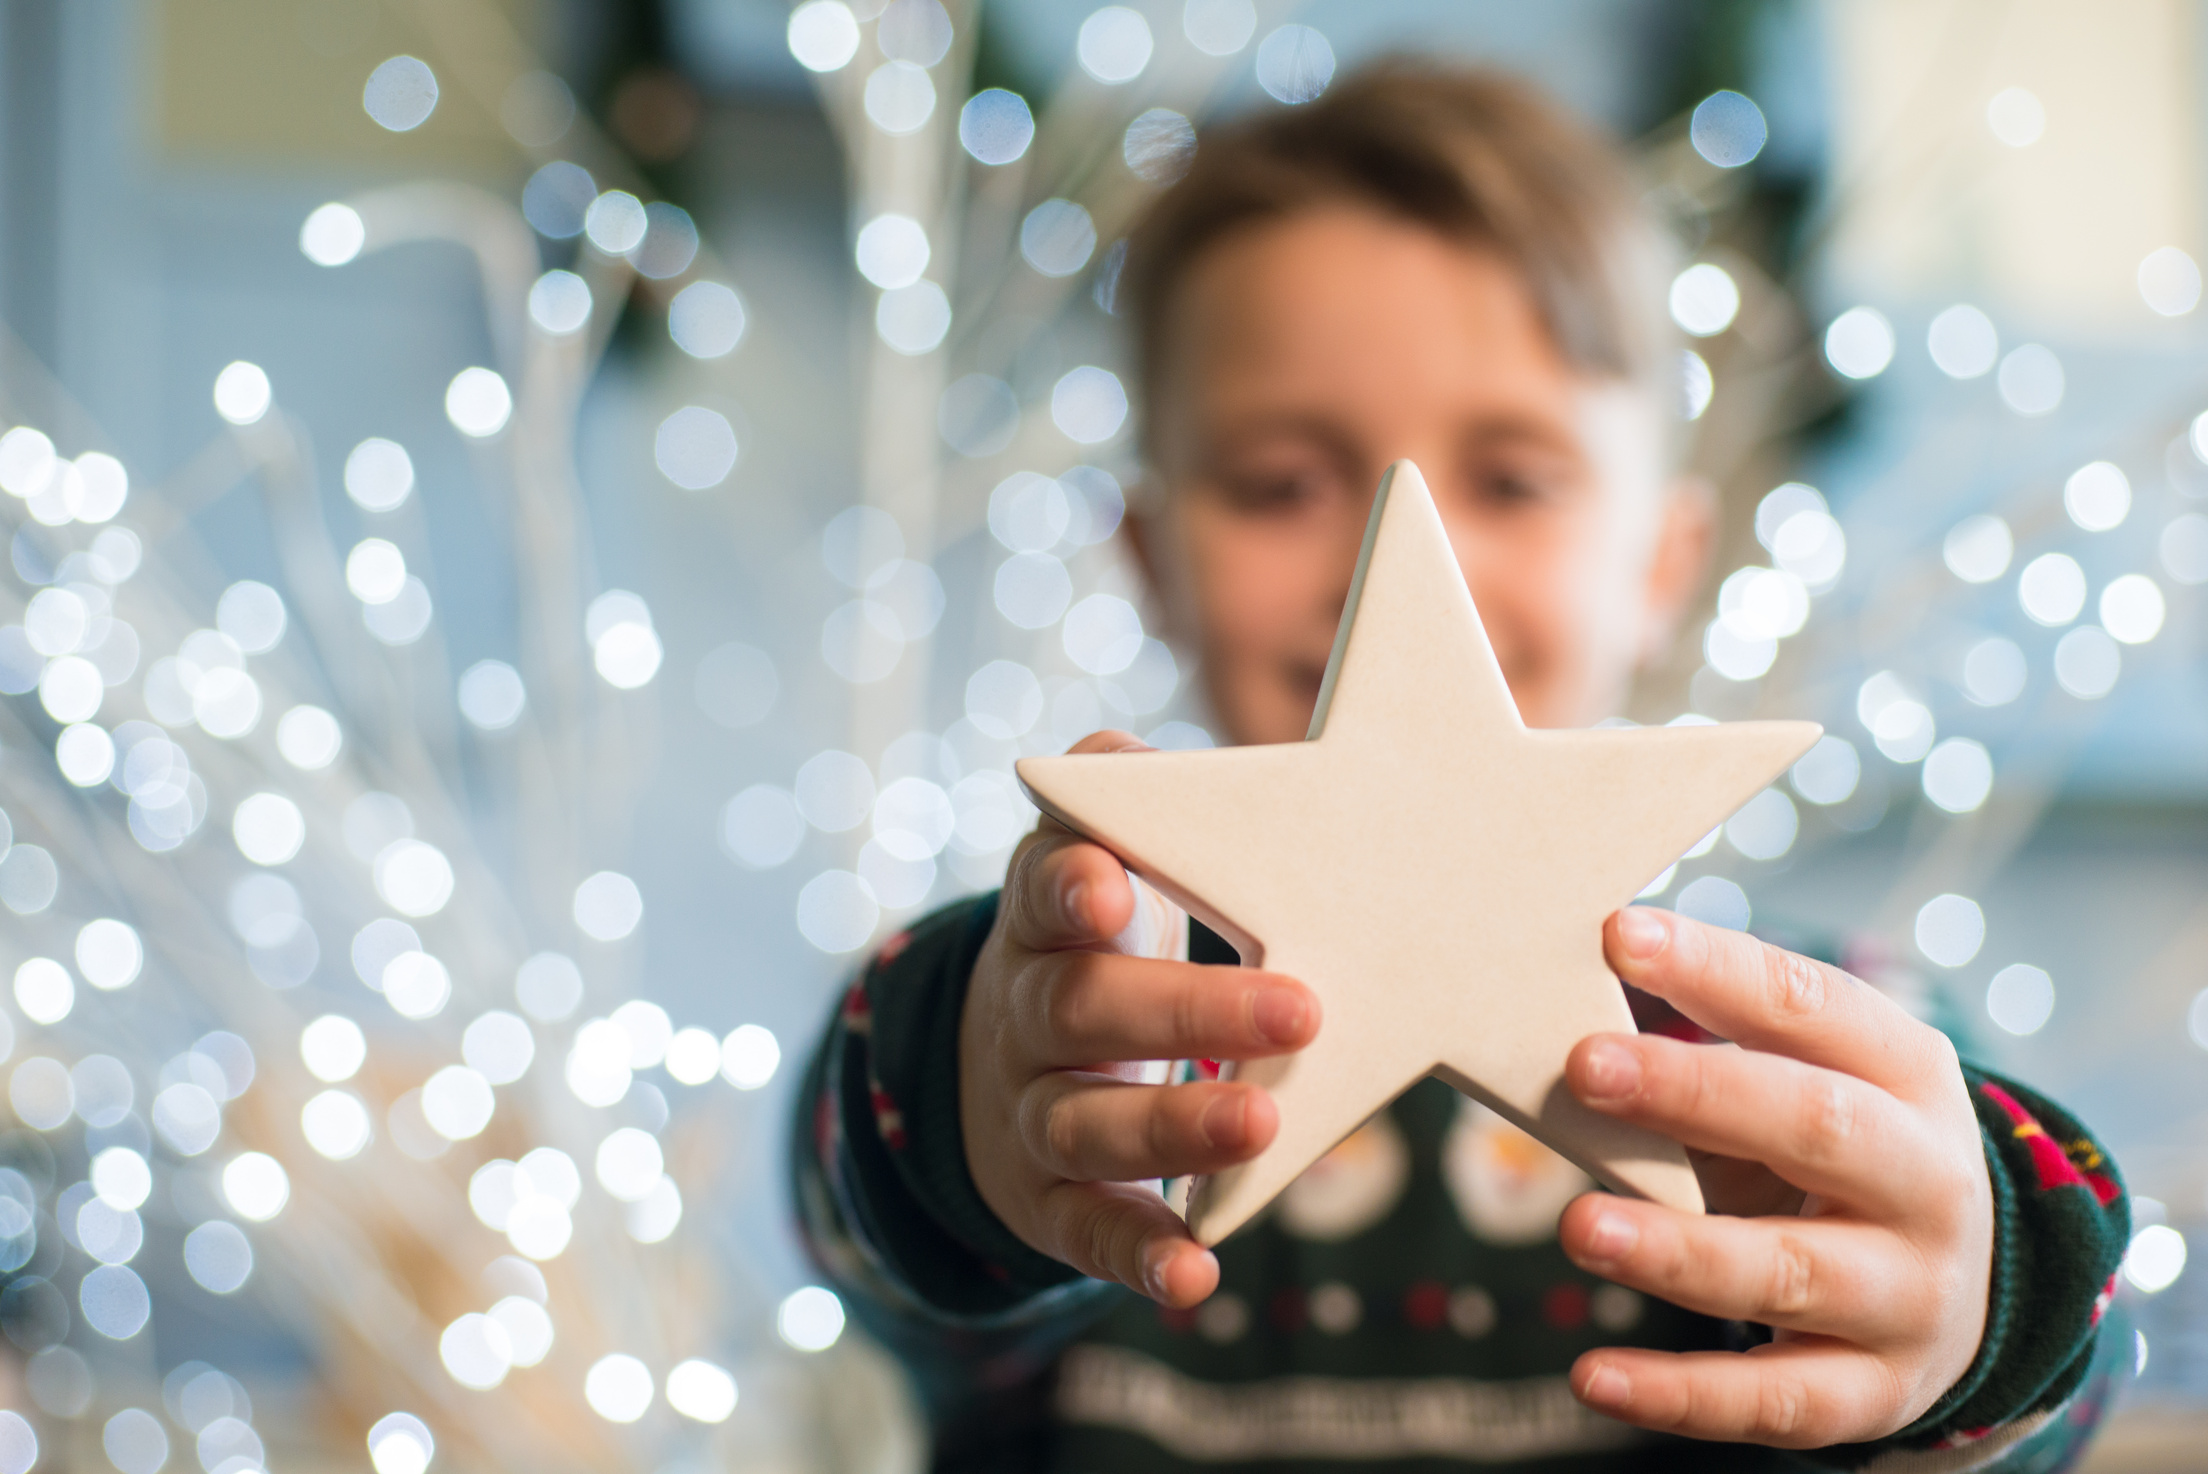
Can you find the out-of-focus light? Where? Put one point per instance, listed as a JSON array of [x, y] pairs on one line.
[[2184, 548], [478, 402], [913, 320], [598, 1070], [499, 1047], [892, 250], [810, 1319], [1958, 774], [134, 1440], [1159, 145], [1704, 299], [1088, 404], [1780, 504], [491, 695], [400, 1443], [476, 1351], [1219, 27], [2087, 662], [1828, 773], [256, 1186], [2132, 609], [334, 234], [309, 738], [2169, 281], [1811, 545], [1994, 672], [1963, 342], [1950, 929], [1763, 603], [559, 302], [121, 1179], [556, 199], [2155, 1259], [1728, 129], [414, 879], [252, 615], [401, 94], [996, 126], [85, 754], [2016, 117], [761, 826], [1764, 827], [333, 1048], [70, 689], [916, 31], [537, 110], [1294, 64], [900, 98], [823, 35], [1860, 343], [2031, 380], [2097, 496], [1057, 237], [268, 828], [693, 1056], [695, 448], [242, 393], [629, 1163], [1901, 725], [1032, 590], [1715, 901], [2021, 998], [608, 906], [837, 912], [618, 1388], [548, 987], [379, 475], [1977, 549], [2051, 589], [527, 1326], [44, 990], [649, 1031], [1114, 44], [1103, 634], [336, 1124], [628, 655], [416, 985], [701, 1391], [1735, 655], [706, 319], [616, 222], [1696, 385]]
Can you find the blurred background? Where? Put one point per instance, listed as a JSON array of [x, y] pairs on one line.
[[562, 513]]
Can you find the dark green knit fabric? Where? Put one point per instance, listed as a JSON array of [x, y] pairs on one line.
[[1425, 1329]]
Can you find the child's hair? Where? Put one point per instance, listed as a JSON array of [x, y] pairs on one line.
[[1476, 156]]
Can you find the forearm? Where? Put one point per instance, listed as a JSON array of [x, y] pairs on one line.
[[886, 1204]]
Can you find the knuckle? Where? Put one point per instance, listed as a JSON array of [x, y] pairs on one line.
[[1783, 1408], [1830, 1121], [1792, 1289], [1068, 997], [1795, 987]]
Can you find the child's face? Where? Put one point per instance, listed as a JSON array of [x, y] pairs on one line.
[[1307, 355]]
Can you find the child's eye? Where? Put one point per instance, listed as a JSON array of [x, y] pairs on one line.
[[1274, 492], [1512, 488]]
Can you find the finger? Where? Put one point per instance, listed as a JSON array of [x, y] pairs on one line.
[[1765, 998], [1084, 1008], [1094, 1128], [1793, 1394], [1825, 1276], [1063, 891], [1824, 1131], [1125, 1233]]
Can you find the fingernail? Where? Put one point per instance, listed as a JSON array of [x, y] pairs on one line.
[[1072, 902], [1612, 1237], [1608, 1387], [1641, 932], [1154, 1277], [1222, 1121], [1612, 1072], [1280, 1014]]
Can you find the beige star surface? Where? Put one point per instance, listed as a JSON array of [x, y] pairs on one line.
[[1435, 871]]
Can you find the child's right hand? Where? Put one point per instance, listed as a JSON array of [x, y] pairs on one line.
[[1062, 1141]]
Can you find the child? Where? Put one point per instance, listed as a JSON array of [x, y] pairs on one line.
[[1438, 266]]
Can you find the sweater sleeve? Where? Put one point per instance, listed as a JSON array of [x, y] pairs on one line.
[[2035, 1392], [886, 1204]]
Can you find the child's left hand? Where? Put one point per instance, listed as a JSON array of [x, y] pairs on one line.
[[1851, 1138]]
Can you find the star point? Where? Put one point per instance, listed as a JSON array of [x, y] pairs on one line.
[[1434, 870]]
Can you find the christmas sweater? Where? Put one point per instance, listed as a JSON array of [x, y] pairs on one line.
[[1403, 1307]]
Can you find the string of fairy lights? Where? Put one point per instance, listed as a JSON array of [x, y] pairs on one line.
[[188, 1079]]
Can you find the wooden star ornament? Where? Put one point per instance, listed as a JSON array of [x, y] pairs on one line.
[[1436, 872]]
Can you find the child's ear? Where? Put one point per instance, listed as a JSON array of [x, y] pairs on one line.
[[1141, 528], [1686, 537]]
